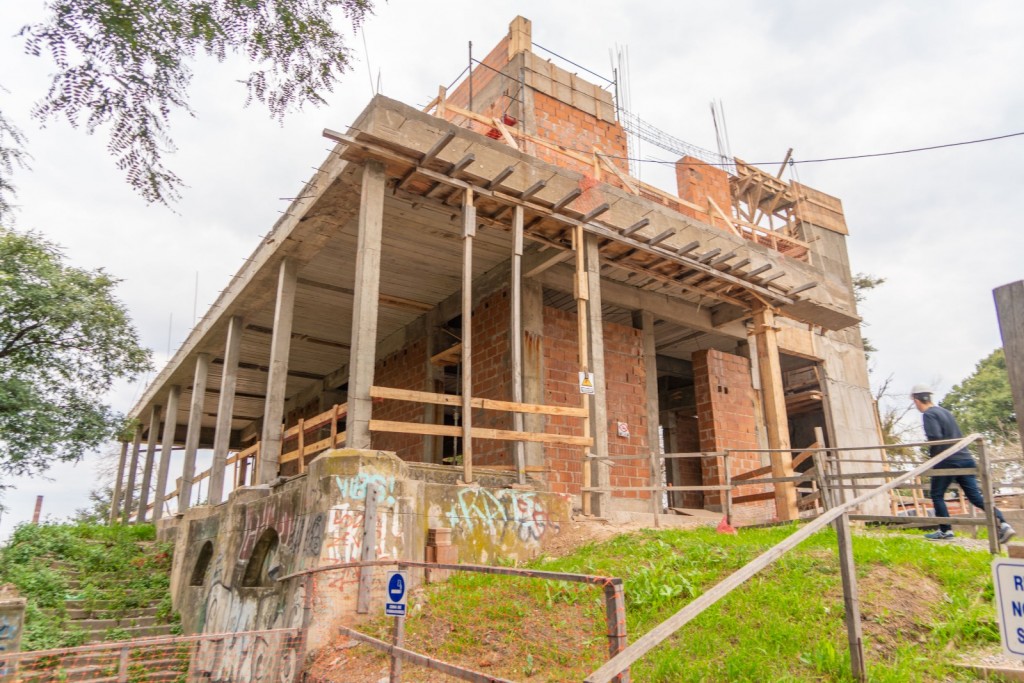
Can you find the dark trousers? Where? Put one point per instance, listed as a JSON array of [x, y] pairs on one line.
[[968, 483]]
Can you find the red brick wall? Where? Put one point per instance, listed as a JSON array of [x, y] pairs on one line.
[[725, 410], [405, 369], [697, 181], [492, 375], [489, 89], [687, 471], [577, 130], [625, 380]]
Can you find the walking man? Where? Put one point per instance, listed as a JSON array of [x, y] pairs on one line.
[[940, 425]]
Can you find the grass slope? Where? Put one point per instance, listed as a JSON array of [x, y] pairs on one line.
[[921, 604], [112, 569]]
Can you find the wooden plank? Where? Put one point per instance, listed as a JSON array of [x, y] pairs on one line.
[[365, 302], [478, 433], [509, 140], [480, 403], [851, 598], [753, 497], [613, 489]]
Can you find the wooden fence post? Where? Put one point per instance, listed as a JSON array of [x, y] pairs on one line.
[[851, 598], [615, 614], [986, 494]]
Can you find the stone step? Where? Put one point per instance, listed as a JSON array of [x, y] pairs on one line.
[[103, 624], [79, 613], [132, 632]]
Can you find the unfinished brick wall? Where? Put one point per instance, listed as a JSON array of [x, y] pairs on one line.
[[565, 125], [405, 369], [725, 411], [697, 182], [625, 380], [492, 376]]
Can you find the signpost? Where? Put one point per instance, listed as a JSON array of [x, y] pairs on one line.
[[397, 596], [1008, 578]]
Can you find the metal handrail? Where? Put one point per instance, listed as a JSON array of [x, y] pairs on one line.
[[665, 629]]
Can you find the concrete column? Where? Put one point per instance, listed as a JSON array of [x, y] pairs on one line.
[[170, 426], [533, 366], [115, 498], [129, 492], [147, 472], [775, 416], [195, 426], [644, 320], [516, 336], [366, 288], [277, 380], [225, 407], [598, 400]]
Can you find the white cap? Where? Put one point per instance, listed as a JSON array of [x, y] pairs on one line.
[[921, 389]]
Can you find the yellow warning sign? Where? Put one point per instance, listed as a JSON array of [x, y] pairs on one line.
[[586, 382]]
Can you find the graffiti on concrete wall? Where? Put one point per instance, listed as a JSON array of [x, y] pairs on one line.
[[501, 512], [271, 513], [247, 658], [10, 627], [355, 487], [343, 541], [315, 535]]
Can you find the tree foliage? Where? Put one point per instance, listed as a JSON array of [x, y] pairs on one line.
[[862, 284], [126, 66], [983, 402], [64, 339], [12, 154]]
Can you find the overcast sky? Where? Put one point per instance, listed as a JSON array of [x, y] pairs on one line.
[[825, 78]]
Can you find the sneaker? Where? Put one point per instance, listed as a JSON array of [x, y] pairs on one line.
[[940, 535], [1006, 532]]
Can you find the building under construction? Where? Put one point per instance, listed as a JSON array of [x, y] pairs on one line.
[[476, 315]]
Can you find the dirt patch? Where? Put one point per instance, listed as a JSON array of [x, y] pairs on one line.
[[897, 606], [581, 531]]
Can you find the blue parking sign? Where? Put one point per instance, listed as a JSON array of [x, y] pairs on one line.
[[397, 594]]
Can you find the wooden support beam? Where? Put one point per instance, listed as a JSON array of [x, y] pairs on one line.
[[687, 248], [533, 189], [461, 164], [225, 408], [277, 377], [147, 470], [776, 420], [661, 237], [170, 427], [195, 426], [636, 227], [595, 212], [497, 180], [468, 232], [725, 257], [129, 492], [567, 199], [437, 147], [801, 288], [757, 271], [365, 303], [736, 266], [774, 276], [710, 254]]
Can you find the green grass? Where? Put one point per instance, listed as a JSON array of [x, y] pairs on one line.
[[117, 566], [922, 604]]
